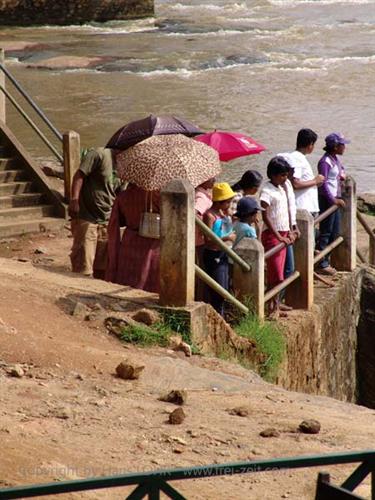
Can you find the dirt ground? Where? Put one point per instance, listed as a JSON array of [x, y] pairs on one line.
[[68, 416]]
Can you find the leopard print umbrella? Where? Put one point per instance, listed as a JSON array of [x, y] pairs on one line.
[[154, 162]]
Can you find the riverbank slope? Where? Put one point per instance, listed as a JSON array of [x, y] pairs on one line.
[[68, 416]]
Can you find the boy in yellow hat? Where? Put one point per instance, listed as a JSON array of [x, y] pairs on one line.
[[215, 260]]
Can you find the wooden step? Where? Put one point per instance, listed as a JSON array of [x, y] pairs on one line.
[[15, 188], [8, 164], [12, 175], [18, 228], [20, 200], [23, 213]]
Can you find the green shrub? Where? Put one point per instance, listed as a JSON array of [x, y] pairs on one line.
[[269, 340]]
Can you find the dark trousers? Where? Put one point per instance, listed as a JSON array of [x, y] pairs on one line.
[[329, 229], [216, 265]]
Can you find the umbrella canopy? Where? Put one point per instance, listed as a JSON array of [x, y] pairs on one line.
[[231, 145], [154, 162], [137, 131]]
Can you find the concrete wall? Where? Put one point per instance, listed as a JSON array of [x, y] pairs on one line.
[[366, 343], [322, 345], [23, 12]]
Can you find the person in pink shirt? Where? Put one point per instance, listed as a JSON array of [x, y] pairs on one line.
[[202, 203]]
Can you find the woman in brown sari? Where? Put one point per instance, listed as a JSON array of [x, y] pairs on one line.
[[133, 260]]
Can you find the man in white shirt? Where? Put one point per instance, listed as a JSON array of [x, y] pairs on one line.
[[304, 182]]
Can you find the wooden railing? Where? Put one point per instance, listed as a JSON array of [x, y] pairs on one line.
[[178, 267]]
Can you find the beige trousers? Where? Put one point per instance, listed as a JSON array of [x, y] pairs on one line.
[[89, 251]]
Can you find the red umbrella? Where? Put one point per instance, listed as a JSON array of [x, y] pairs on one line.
[[231, 145]]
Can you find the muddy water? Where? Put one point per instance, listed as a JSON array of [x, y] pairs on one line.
[[263, 67]]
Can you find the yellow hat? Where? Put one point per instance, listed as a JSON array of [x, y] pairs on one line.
[[222, 192]]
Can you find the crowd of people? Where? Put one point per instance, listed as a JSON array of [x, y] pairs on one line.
[[101, 207]]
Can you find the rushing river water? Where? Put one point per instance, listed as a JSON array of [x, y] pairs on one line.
[[262, 67]]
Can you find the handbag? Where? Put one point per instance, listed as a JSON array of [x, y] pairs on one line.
[[149, 226]]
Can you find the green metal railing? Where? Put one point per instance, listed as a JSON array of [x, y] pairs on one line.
[[151, 484]]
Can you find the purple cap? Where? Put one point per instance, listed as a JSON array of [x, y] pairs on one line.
[[335, 138]]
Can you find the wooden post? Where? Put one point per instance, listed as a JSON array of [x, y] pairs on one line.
[[72, 159], [2, 84], [177, 244], [249, 285], [300, 293], [344, 256]]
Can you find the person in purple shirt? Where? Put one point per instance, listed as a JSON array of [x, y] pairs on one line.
[[330, 194]]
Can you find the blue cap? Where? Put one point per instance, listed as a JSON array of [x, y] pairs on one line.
[[335, 138], [246, 206]]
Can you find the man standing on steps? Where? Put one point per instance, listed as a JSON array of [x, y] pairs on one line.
[[94, 189]]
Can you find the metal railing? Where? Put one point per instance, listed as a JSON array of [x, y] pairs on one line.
[[152, 484], [36, 108]]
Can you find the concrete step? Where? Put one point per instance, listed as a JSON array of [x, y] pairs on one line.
[[24, 213], [12, 175], [19, 228], [8, 163], [20, 200], [15, 188]]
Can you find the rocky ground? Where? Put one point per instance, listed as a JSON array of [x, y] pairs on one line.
[[65, 414]]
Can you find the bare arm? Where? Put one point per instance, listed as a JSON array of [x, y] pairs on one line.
[[77, 184], [298, 184]]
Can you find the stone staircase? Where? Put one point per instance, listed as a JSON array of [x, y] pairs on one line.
[[26, 203]]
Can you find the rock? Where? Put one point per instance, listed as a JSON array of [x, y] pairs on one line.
[[179, 440], [63, 413], [116, 325], [40, 250], [80, 310], [177, 344], [17, 371], [241, 411], [178, 450], [147, 316], [177, 397], [270, 432], [177, 416], [128, 371], [310, 426]]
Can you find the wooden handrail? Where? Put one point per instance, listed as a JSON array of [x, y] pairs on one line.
[[367, 228], [278, 288], [219, 242], [325, 214], [328, 249], [219, 289]]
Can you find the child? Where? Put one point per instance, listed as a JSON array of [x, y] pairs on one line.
[[216, 260], [276, 216], [330, 194], [247, 215], [248, 185]]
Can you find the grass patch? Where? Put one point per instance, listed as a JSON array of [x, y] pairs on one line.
[[269, 339], [172, 323], [145, 336]]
